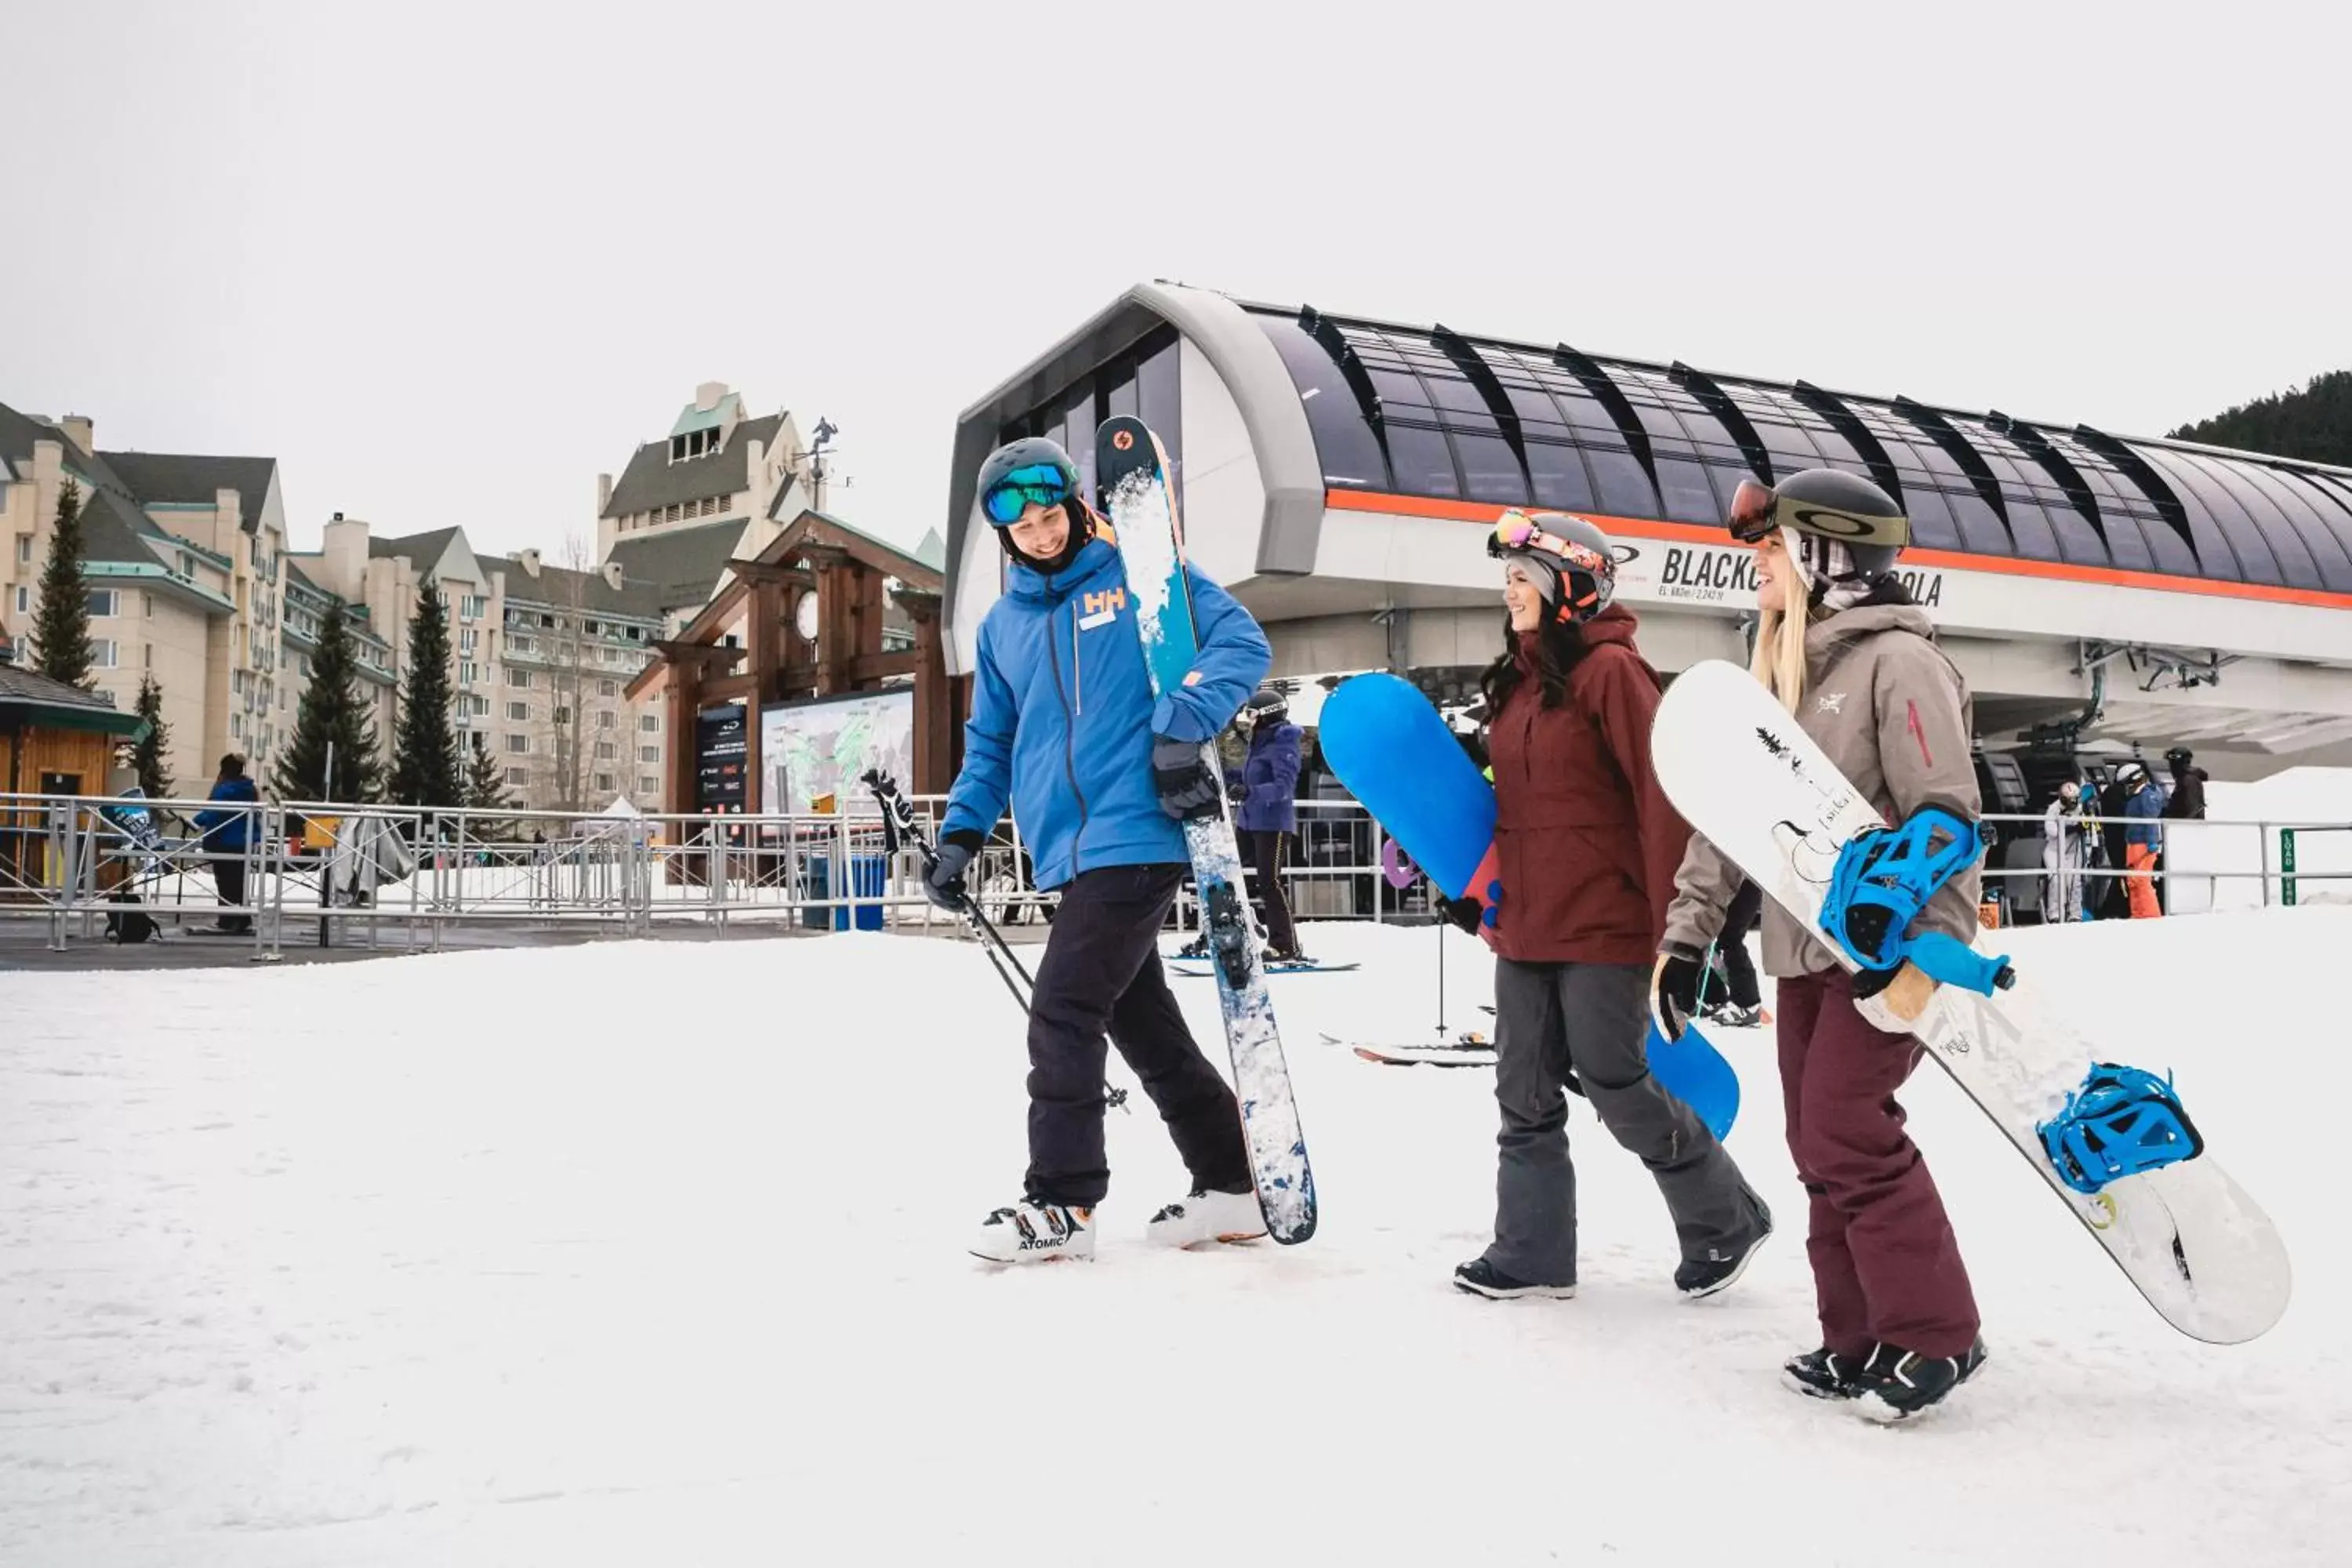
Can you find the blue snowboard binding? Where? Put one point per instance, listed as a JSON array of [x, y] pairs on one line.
[[2121, 1121], [1881, 881]]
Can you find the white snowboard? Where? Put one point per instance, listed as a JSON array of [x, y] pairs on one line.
[[1750, 779]]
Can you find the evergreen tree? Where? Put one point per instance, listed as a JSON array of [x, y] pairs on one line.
[[427, 769], [2313, 423], [62, 630], [332, 711], [155, 778], [486, 790]]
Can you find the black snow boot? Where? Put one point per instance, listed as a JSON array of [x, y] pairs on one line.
[[1824, 1374], [1896, 1385], [1721, 1269], [1481, 1278]]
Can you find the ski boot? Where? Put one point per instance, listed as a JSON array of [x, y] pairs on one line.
[[1033, 1232], [1203, 1217], [1896, 1385]]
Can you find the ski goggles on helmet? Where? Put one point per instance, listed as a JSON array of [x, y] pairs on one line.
[[1041, 484], [1580, 571], [1754, 512], [1516, 532]]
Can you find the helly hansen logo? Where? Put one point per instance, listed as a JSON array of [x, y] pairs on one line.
[[1105, 604]]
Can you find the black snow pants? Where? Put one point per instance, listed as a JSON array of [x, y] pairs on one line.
[[1101, 976]]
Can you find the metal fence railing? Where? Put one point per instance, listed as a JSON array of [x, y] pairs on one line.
[[333, 873]]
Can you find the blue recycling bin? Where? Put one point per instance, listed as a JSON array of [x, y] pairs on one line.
[[867, 873]]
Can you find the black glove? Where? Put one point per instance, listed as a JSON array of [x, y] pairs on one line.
[[1236, 791], [1674, 988], [1869, 983], [1465, 914], [1188, 787], [943, 883]]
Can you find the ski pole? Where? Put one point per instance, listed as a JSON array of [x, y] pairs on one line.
[[898, 826]]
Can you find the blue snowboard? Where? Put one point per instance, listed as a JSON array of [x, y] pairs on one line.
[[1393, 751]]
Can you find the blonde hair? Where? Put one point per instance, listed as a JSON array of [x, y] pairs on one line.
[[1779, 662]]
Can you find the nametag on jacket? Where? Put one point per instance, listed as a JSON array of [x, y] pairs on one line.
[[1099, 619]]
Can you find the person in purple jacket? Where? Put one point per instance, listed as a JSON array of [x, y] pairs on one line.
[[1265, 802]]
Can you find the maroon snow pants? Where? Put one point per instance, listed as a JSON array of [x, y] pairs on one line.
[[1885, 1265]]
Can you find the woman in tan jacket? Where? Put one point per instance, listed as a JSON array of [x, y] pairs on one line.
[[1843, 647]]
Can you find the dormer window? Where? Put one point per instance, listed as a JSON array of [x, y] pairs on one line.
[[693, 444]]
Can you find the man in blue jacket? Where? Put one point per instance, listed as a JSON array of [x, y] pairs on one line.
[[2143, 805], [226, 833], [1101, 777]]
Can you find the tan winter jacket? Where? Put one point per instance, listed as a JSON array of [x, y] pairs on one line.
[[1884, 705]]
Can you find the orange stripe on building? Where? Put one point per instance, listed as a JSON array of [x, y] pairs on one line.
[[1948, 559]]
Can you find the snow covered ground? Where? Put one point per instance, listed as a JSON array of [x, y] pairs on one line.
[[650, 1253]]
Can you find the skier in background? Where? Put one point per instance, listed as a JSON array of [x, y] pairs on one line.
[[2068, 845], [1266, 799], [2187, 801], [1845, 650], [1732, 971], [1100, 776], [1587, 846], [2143, 807], [2184, 803]]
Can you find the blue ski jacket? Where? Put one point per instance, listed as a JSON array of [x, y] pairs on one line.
[[1271, 774], [227, 832], [2144, 806], [1063, 716]]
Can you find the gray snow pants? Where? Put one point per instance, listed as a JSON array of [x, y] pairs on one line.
[[1594, 1018]]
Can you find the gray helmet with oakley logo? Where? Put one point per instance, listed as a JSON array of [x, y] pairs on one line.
[[1845, 510]]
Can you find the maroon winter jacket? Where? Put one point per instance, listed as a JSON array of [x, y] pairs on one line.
[[1588, 845]]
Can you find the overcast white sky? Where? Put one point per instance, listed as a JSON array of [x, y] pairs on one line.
[[448, 262]]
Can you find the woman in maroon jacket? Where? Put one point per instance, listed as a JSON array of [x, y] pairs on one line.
[[1588, 847]]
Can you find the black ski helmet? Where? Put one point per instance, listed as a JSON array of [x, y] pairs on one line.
[[1845, 527], [2178, 758], [1267, 705], [1575, 559], [1039, 469]]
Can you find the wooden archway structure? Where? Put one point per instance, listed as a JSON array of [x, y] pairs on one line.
[[746, 645]]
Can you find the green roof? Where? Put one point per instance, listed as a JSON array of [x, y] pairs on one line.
[[692, 419], [29, 698]]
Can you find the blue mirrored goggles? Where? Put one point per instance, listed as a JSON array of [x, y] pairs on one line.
[[1042, 485]]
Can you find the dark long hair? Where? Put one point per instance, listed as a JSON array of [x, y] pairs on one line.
[[1559, 647]]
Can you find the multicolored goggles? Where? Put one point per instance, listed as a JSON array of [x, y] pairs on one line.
[[1040, 484], [1514, 531]]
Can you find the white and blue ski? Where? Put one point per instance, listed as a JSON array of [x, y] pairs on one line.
[[1133, 472]]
